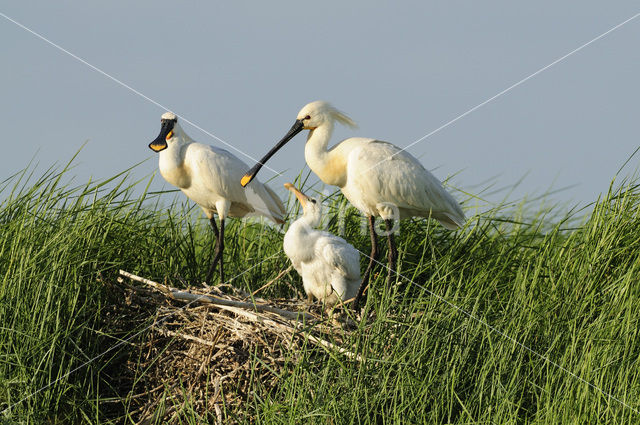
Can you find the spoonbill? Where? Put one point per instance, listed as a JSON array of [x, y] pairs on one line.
[[378, 178], [210, 176], [329, 265]]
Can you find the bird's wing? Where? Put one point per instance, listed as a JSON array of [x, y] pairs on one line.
[[393, 175], [223, 172], [219, 170], [339, 254]]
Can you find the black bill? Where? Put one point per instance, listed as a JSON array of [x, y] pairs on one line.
[[166, 131], [249, 175]]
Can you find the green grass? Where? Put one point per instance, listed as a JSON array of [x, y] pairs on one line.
[[438, 350]]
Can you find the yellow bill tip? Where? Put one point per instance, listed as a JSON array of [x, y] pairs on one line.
[[157, 147], [289, 186], [245, 180]]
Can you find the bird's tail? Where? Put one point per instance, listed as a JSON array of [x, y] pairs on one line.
[[277, 208], [448, 220], [265, 202]]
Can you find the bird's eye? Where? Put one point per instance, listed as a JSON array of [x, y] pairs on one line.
[[313, 200], [308, 117]]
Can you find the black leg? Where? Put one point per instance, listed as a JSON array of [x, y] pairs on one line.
[[220, 250], [393, 252], [217, 255], [372, 258], [214, 226]]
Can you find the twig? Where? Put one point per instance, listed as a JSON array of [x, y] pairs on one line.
[[188, 296], [190, 338], [330, 346], [266, 285], [288, 328]]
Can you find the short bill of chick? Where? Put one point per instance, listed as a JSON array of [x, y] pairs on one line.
[[329, 265]]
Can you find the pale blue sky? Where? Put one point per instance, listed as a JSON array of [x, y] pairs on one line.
[[242, 71]]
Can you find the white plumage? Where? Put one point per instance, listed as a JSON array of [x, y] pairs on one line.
[[210, 177], [378, 178], [328, 265]]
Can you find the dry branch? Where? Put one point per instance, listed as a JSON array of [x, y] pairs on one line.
[[188, 296]]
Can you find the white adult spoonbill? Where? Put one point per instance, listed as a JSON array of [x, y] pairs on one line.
[[329, 266], [378, 178], [210, 176]]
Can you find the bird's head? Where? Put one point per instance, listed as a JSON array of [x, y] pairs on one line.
[[317, 113], [168, 129], [311, 207], [312, 116]]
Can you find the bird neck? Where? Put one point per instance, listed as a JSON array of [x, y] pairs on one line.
[[299, 241], [326, 163], [309, 221], [171, 160], [178, 141], [183, 137]]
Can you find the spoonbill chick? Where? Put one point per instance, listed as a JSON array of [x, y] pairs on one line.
[[210, 176], [378, 178], [329, 266]]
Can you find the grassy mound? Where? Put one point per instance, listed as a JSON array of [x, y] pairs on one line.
[[522, 317]]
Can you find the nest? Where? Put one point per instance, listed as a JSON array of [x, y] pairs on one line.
[[208, 351]]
